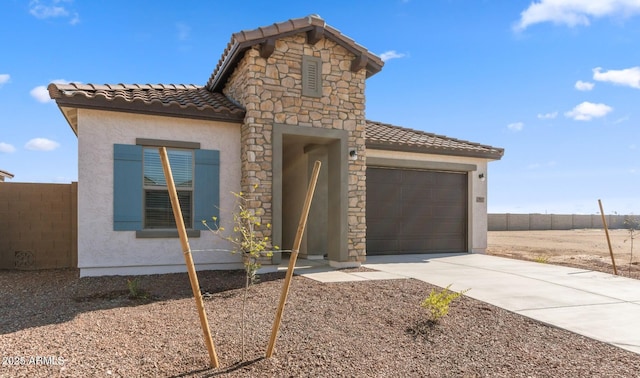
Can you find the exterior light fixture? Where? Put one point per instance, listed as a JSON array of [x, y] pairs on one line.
[[353, 154], [482, 177]]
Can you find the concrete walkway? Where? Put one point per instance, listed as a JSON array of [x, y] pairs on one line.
[[597, 305]]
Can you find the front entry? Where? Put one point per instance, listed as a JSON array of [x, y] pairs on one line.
[[295, 151]]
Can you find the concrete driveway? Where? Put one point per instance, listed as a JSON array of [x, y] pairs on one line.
[[597, 305]]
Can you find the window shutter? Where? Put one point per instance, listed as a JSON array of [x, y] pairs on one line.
[[127, 187], [206, 187], [311, 76]]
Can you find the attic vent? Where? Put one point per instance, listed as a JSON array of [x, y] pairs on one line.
[[311, 76]]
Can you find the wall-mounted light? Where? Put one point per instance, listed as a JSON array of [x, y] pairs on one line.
[[482, 177], [353, 154]]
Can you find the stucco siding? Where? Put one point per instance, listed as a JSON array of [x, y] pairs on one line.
[[477, 196], [103, 251]]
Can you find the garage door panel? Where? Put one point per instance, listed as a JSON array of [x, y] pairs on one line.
[[414, 178], [446, 194], [416, 197], [413, 245], [446, 245], [425, 228], [450, 179], [385, 211], [385, 228], [451, 210], [383, 176], [413, 211], [382, 247]]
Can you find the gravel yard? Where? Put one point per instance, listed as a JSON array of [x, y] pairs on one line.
[[55, 324], [587, 248]]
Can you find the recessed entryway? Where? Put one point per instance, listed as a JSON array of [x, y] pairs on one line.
[[295, 150]]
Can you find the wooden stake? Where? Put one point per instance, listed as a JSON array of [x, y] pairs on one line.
[[184, 241], [294, 256], [606, 231]]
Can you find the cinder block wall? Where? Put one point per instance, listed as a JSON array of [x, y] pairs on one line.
[[38, 225], [526, 222]]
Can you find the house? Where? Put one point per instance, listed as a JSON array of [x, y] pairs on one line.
[[5, 175], [280, 98]]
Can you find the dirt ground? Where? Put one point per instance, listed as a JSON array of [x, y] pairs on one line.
[[586, 248]]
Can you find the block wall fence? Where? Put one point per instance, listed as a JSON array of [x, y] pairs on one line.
[[526, 222], [38, 226]]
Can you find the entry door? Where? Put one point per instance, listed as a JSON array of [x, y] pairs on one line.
[[416, 211]]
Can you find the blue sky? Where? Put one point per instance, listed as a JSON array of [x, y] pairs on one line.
[[554, 82]]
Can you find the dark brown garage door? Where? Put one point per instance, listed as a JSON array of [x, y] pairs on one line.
[[414, 211]]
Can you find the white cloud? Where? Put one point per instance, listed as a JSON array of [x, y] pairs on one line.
[[548, 164], [621, 120], [4, 78], [584, 85], [588, 110], [574, 12], [75, 18], [516, 126], [6, 148], [41, 144], [43, 9], [391, 54], [552, 115], [628, 77], [41, 94], [184, 31]]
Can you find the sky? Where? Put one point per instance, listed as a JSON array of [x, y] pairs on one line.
[[556, 83]]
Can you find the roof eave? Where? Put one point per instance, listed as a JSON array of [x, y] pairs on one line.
[[495, 154], [373, 63], [143, 108], [6, 174]]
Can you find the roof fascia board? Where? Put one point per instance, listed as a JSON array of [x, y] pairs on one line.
[[73, 123], [436, 151], [120, 106], [237, 51], [418, 164], [372, 66]]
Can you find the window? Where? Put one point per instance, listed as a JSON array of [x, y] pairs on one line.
[[158, 213], [140, 197]]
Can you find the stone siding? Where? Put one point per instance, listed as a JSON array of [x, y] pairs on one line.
[[271, 92]]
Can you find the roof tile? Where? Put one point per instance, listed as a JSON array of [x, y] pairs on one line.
[[242, 40], [192, 100], [383, 135], [165, 97]]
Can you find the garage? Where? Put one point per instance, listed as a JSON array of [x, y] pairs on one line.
[[416, 211]]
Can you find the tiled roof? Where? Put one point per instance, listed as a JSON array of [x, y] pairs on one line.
[[184, 100], [192, 101], [243, 40], [389, 137]]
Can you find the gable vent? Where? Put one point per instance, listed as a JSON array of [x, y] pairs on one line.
[[311, 76]]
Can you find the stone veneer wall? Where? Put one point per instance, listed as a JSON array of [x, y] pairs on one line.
[[271, 92]]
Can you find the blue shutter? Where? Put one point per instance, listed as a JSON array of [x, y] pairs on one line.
[[127, 187], [206, 187]]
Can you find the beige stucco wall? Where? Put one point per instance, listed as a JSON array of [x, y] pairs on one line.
[[477, 198], [102, 251]]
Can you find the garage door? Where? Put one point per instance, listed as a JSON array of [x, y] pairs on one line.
[[416, 211]]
